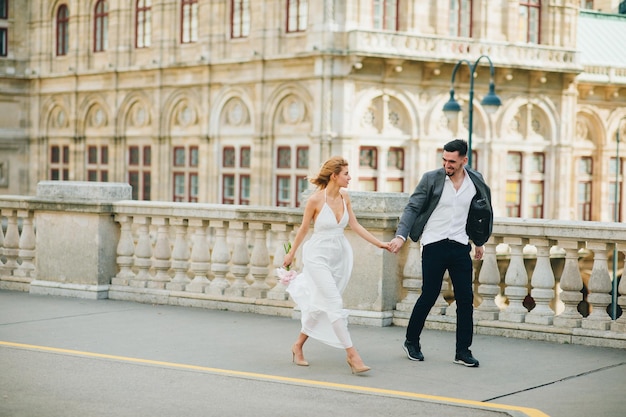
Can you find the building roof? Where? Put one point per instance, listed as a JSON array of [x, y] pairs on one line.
[[601, 38]]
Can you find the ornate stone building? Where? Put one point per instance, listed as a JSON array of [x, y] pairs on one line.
[[237, 101]]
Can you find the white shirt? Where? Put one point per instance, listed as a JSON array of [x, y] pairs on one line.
[[449, 218]]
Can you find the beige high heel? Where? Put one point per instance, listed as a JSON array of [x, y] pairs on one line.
[[356, 370], [298, 361]]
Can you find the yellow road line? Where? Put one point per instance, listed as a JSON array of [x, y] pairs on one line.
[[530, 412]]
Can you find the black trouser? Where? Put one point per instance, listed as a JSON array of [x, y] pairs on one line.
[[436, 258]]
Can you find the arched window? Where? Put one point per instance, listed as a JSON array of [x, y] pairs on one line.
[[240, 18], [63, 34], [460, 18], [101, 26], [189, 21], [529, 21], [385, 14], [297, 15], [143, 23]]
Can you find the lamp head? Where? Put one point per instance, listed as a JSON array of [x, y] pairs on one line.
[[452, 107], [491, 101]]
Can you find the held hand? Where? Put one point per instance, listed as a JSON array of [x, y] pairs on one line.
[[288, 259], [479, 251], [395, 245], [384, 245]]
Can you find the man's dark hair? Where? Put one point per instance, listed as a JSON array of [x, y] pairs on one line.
[[456, 145]]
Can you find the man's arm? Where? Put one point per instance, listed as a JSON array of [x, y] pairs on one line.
[[413, 208]]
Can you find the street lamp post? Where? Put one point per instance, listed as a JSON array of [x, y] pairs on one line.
[[490, 102], [616, 199]]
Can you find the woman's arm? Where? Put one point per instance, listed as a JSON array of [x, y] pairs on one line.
[[310, 212], [360, 230]]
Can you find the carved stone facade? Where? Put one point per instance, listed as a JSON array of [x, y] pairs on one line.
[[211, 110]]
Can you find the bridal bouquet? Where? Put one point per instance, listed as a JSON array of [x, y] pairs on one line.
[[286, 274]]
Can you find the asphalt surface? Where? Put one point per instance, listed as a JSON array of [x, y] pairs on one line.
[[73, 357]]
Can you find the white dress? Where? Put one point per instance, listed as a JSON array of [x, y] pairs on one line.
[[327, 265]]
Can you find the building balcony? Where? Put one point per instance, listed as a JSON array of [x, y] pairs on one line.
[[450, 50], [539, 279]]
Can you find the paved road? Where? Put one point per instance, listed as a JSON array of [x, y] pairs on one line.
[[72, 357]]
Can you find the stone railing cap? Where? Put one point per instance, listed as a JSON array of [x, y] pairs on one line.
[[84, 191]]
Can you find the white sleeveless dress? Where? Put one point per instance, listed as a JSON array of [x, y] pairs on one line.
[[327, 265]]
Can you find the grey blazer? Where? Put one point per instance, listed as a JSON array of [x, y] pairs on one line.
[[425, 198]]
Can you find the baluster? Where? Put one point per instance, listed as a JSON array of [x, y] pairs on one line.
[[282, 237], [200, 257], [220, 256], [571, 284], [180, 256], [489, 284], [240, 259], [259, 262], [11, 242], [516, 280], [412, 278], [162, 254], [542, 285], [27, 247], [619, 325], [125, 252], [599, 287], [557, 261], [143, 254]]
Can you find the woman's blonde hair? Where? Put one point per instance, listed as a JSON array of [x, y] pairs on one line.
[[332, 166]]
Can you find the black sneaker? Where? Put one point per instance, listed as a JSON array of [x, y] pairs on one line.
[[413, 351], [466, 359]]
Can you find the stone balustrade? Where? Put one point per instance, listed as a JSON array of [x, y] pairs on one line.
[[540, 279], [437, 49]]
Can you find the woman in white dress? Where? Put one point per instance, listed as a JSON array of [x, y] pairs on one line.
[[327, 264]]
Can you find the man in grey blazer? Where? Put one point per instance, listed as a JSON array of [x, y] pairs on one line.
[[449, 207]]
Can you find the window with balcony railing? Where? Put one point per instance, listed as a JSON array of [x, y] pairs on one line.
[[529, 27], [460, 23], [385, 14]]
